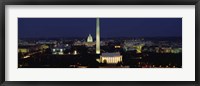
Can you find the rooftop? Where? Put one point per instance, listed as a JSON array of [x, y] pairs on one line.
[[111, 54]]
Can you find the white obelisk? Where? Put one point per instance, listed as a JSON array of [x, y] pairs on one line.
[[97, 36]]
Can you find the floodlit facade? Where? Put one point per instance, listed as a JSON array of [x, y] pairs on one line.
[[58, 51], [89, 39], [97, 36], [89, 42], [111, 58], [133, 45]]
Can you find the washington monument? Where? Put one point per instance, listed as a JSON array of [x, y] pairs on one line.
[[97, 36]]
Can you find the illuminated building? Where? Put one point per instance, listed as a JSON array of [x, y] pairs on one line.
[[138, 48], [28, 48], [167, 50], [59, 49], [110, 58], [23, 50], [46, 42], [97, 36], [117, 46], [89, 42], [89, 39], [78, 43], [176, 50], [75, 52], [133, 45], [44, 46]]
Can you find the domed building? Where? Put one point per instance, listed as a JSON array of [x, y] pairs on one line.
[[89, 39], [89, 42]]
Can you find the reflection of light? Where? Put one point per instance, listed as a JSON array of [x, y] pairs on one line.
[[26, 57], [61, 50]]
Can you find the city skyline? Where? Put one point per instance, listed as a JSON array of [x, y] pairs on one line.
[[81, 27], [163, 50]]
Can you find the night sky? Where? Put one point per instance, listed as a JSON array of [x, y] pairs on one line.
[[109, 27]]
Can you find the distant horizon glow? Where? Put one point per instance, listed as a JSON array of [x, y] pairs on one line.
[[109, 27]]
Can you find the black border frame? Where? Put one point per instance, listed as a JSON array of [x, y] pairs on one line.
[[3, 3]]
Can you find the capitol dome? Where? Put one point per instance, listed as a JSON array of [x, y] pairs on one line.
[[89, 39]]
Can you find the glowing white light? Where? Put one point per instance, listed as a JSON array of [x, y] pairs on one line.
[[89, 39], [75, 52], [97, 36], [54, 50]]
